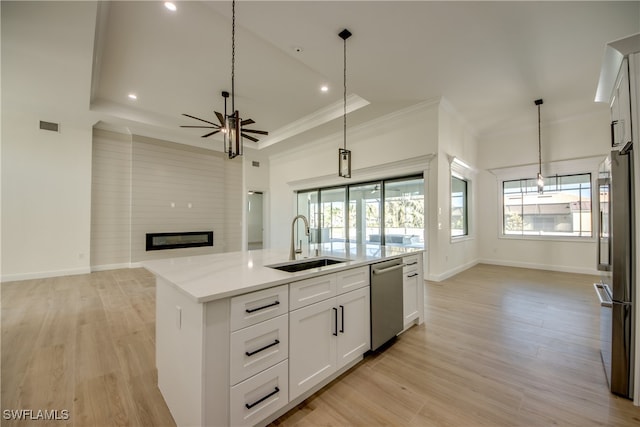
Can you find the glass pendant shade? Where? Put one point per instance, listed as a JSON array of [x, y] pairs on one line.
[[344, 163], [540, 183]]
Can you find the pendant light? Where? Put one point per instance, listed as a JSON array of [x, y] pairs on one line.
[[540, 179], [232, 140], [344, 155]]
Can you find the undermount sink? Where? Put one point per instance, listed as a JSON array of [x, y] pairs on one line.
[[301, 265]]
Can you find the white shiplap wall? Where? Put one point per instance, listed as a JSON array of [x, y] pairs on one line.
[[162, 187], [110, 199]]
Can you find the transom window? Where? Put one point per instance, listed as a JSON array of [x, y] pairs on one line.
[[562, 209]]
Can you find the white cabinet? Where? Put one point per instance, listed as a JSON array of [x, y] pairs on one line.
[[413, 296], [327, 335], [312, 347], [260, 396], [258, 352], [354, 337]]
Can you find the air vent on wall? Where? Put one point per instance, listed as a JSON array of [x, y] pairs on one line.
[[54, 127]]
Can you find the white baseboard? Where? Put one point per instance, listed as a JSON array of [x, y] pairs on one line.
[[44, 274], [535, 266], [72, 272], [452, 272], [107, 267]]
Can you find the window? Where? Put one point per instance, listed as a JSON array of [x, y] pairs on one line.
[[459, 221], [404, 212], [384, 212], [563, 209]]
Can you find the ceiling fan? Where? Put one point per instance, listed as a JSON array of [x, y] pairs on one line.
[[223, 126]]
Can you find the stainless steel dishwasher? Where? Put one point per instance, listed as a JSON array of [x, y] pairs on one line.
[[386, 301]]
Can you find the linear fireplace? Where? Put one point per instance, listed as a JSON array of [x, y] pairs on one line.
[[186, 239]]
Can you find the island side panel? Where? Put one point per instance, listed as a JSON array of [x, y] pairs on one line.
[[179, 353], [216, 362]]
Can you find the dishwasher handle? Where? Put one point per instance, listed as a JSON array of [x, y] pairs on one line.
[[386, 270], [604, 295]]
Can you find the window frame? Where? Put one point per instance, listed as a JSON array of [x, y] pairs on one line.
[[458, 168], [465, 208], [546, 237]]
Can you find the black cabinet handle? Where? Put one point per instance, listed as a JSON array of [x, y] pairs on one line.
[[613, 132], [342, 314], [412, 263], [413, 275], [251, 353], [335, 317], [251, 310], [262, 399]]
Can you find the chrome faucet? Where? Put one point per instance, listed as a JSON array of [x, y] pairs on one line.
[[293, 252]]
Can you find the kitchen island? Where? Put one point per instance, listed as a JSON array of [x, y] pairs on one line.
[[239, 342]]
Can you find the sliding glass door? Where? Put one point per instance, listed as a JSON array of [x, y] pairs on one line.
[[385, 212], [404, 212], [365, 213]]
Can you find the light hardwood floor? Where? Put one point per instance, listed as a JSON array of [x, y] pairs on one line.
[[500, 347]]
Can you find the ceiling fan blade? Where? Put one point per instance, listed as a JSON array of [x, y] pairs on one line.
[[202, 120], [221, 118], [247, 122], [250, 138], [261, 132], [212, 133], [201, 127]]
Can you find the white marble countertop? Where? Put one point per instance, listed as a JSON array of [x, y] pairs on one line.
[[210, 277]]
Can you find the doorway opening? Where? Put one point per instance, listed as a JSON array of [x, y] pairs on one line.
[[255, 214]]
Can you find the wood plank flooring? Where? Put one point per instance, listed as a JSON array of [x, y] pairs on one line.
[[500, 347]]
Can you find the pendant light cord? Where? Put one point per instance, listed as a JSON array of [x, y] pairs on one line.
[[233, 55], [344, 115], [539, 145]]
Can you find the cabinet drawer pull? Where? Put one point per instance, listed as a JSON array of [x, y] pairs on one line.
[[613, 133], [413, 275], [251, 310], [262, 399], [342, 314], [335, 318], [412, 263], [251, 353]]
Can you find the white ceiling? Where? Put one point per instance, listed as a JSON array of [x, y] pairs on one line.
[[490, 60]]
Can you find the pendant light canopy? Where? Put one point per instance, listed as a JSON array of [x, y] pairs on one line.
[[540, 179], [344, 155]]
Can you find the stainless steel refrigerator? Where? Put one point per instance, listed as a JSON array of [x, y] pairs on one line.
[[616, 253]]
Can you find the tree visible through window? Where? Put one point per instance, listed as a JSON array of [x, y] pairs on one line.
[[563, 209], [459, 218]]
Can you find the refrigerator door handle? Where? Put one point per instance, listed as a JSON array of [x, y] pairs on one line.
[[604, 295]]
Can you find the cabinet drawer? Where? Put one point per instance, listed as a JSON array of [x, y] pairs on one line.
[[259, 396], [249, 309], [354, 278], [312, 290], [258, 347], [411, 263]]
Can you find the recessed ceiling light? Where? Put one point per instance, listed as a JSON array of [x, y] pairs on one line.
[[324, 88], [133, 96], [170, 5]]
